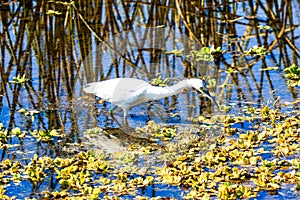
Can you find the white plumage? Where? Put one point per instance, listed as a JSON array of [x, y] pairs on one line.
[[127, 93]]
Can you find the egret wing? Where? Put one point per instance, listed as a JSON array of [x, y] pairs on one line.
[[118, 91]]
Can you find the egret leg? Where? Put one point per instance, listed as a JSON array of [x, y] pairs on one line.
[[125, 117], [112, 110], [112, 116]]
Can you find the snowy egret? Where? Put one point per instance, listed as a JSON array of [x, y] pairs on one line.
[[127, 93]]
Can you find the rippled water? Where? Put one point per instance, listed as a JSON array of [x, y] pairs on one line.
[[59, 54]]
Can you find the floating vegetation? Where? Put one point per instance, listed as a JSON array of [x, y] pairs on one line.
[[3, 134], [256, 51], [176, 52], [292, 73], [204, 54], [239, 164], [20, 79], [156, 131], [28, 113], [45, 135], [159, 82], [264, 27]]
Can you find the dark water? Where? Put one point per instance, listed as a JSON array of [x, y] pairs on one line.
[[61, 47]]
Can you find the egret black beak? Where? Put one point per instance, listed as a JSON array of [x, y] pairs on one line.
[[206, 93]]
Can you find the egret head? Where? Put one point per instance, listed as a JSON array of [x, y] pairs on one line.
[[200, 85]]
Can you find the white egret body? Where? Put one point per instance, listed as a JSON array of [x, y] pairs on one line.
[[127, 93]]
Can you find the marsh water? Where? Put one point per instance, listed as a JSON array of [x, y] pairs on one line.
[[51, 49]]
